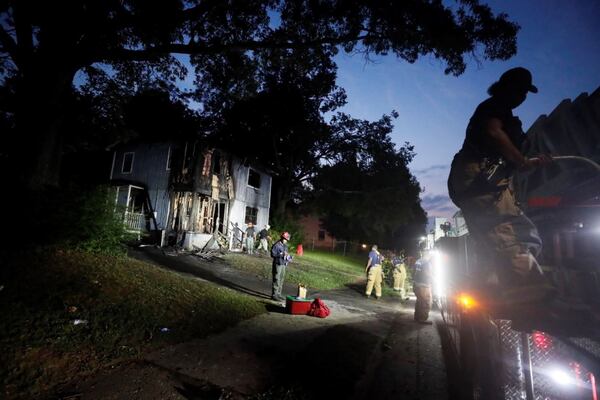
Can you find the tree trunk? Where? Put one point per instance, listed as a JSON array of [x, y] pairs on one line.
[[282, 196], [42, 95]]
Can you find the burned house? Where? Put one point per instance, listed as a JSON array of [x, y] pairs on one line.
[[187, 194]]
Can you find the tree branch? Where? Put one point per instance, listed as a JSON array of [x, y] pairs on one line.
[[23, 28], [24, 34], [9, 45], [215, 48], [196, 11]]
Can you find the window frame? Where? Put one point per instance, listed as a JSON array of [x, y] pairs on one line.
[[169, 159], [255, 220], [132, 161], [250, 171], [321, 235]]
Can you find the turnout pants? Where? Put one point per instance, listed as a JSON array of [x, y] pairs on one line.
[[423, 303], [508, 241], [399, 275], [264, 245], [374, 278]]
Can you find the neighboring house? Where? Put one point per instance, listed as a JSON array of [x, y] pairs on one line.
[[315, 235], [188, 194]]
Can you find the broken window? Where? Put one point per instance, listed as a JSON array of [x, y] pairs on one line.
[[216, 162], [127, 163], [206, 163], [251, 215], [136, 200], [253, 179]]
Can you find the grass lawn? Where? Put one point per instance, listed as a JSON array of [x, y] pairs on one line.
[[127, 307], [317, 270]]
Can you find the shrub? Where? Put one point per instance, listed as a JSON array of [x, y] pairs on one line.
[[287, 224], [100, 223], [79, 218]]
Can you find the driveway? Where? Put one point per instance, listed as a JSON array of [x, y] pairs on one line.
[[364, 349]]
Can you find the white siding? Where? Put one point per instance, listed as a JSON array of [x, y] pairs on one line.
[[251, 196], [248, 196]]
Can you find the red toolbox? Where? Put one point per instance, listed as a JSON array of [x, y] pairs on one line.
[[294, 305]]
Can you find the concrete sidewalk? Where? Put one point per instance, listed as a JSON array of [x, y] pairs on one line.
[[365, 349]]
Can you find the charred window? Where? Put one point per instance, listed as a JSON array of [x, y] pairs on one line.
[[254, 179], [216, 159], [251, 215]]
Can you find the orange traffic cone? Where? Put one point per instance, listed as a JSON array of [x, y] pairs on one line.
[[299, 250]]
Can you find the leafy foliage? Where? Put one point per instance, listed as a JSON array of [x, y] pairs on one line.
[[369, 195], [94, 224], [119, 45], [99, 121], [78, 218], [282, 131], [287, 223]]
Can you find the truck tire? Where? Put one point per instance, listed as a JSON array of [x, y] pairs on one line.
[[479, 359]]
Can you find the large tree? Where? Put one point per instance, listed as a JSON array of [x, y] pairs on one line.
[[368, 194], [45, 45], [283, 126]]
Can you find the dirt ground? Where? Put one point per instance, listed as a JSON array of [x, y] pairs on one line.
[[364, 349]]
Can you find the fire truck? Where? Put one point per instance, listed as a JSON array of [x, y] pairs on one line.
[[497, 360]]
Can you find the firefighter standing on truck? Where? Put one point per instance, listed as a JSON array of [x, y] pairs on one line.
[[422, 279], [480, 183]]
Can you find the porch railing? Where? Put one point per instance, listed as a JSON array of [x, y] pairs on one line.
[[135, 221], [237, 237]]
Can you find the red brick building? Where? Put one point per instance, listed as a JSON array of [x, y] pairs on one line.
[[315, 237]]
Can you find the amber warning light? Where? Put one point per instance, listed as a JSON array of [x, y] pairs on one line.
[[466, 301]]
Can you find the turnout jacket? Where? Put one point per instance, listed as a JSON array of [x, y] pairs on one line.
[[279, 252]]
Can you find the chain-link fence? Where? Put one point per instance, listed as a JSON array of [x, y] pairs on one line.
[[341, 247]]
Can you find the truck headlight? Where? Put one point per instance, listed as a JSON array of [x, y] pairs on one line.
[[439, 274], [560, 376]]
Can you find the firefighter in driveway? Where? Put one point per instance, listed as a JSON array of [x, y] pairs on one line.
[[281, 258], [374, 272], [422, 287], [399, 274]]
